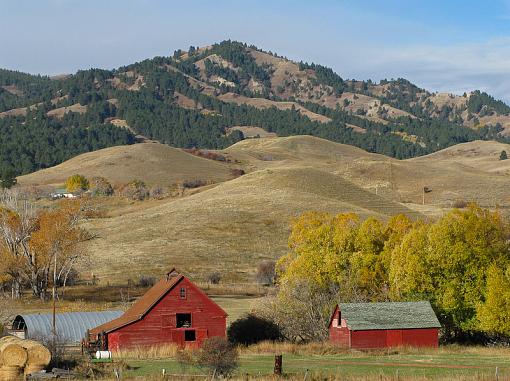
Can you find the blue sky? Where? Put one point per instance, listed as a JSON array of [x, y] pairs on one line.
[[452, 46]]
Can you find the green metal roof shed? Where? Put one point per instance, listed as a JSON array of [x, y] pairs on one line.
[[387, 324]]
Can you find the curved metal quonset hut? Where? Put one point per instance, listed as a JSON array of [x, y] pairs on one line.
[[71, 326]]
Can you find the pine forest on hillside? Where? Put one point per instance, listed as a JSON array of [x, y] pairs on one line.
[[192, 99]]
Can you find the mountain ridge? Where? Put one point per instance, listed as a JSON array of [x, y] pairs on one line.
[[195, 98]]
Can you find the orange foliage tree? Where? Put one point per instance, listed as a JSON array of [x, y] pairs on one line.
[[40, 247]]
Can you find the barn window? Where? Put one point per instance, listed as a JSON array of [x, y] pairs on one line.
[[183, 321], [189, 335], [182, 293]]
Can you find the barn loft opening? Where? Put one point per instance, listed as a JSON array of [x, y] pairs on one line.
[[182, 293], [189, 335], [183, 321]]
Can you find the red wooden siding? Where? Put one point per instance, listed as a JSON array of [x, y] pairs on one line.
[[428, 337], [158, 326], [368, 339], [384, 338]]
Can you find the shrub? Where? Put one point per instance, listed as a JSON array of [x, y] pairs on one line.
[[219, 356], [252, 329], [194, 183], [206, 154], [146, 281], [266, 272], [214, 277], [157, 192], [77, 183], [503, 155], [184, 358], [135, 190], [460, 204], [236, 172], [101, 187]]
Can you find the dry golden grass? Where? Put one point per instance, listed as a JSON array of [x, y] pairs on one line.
[[263, 103], [238, 223], [61, 111], [145, 353], [153, 163], [252, 131], [184, 101], [318, 348], [233, 225]]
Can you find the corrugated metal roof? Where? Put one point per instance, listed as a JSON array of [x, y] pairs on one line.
[[141, 306], [389, 315], [71, 326]]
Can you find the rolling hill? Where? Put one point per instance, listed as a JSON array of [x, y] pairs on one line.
[[210, 97], [153, 163], [239, 222]]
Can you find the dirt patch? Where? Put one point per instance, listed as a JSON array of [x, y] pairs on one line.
[[61, 111], [185, 102], [262, 103], [252, 132], [12, 89]]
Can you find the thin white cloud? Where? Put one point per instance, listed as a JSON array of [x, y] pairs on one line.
[[453, 68]]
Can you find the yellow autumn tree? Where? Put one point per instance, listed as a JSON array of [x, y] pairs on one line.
[[368, 273], [448, 263], [76, 183], [321, 245], [494, 312]]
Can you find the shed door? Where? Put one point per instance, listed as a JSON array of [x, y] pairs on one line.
[[394, 338]]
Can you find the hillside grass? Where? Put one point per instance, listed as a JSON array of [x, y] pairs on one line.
[[243, 221], [153, 163]]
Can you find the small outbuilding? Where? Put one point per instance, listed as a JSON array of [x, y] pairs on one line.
[[382, 325], [71, 327], [174, 310]]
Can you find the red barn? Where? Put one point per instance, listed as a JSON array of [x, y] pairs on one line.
[[174, 310], [382, 325]]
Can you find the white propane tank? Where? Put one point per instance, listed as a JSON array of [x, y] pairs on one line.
[[103, 355]]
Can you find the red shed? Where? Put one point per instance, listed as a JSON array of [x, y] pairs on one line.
[[174, 310], [382, 325]]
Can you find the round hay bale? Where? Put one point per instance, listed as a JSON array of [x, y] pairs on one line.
[[9, 373], [38, 354], [12, 354]]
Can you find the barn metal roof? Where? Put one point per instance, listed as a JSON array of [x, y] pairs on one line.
[[71, 326], [388, 315]]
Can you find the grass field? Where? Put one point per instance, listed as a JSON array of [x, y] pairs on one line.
[[445, 363]]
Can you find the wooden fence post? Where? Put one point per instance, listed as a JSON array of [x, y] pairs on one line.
[[278, 364]]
